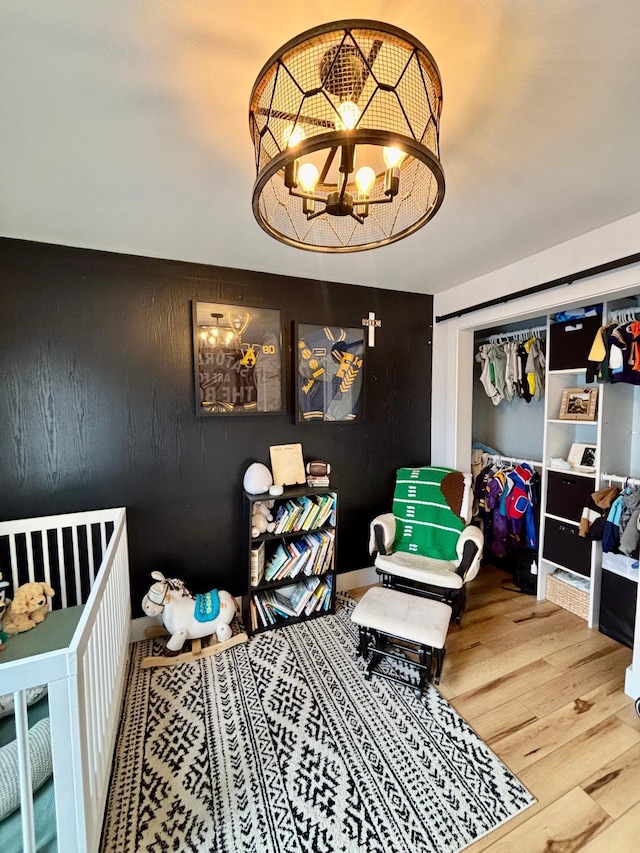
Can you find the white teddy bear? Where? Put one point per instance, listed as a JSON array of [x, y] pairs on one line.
[[261, 518]]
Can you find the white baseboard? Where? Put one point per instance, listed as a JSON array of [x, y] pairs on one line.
[[632, 683], [357, 578], [138, 626]]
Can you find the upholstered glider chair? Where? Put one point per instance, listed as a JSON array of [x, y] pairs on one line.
[[426, 546]]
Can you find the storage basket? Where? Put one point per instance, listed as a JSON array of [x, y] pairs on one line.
[[569, 597]]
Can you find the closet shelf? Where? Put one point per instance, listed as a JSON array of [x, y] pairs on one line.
[[564, 520], [568, 371], [573, 472], [565, 569], [570, 422]]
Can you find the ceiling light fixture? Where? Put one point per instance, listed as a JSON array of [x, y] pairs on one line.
[[345, 122]]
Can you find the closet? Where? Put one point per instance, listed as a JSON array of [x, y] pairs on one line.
[[586, 434], [512, 428], [508, 428]]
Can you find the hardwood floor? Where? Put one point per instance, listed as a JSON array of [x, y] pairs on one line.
[[547, 694]]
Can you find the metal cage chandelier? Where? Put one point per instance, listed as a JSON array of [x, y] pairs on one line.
[[345, 122]]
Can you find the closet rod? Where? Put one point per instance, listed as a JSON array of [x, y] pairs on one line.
[[618, 313], [556, 282], [615, 478], [519, 333], [514, 460]]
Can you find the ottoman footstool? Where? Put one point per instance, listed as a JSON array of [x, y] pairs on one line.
[[390, 621]]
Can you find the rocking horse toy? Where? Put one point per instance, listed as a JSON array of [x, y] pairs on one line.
[[186, 616]]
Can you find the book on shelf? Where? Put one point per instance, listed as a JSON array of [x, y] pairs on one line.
[[283, 601], [295, 596], [326, 511], [260, 613], [294, 513], [305, 590], [312, 519], [307, 504], [275, 563], [315, 598], [278, 512], [278, 606], [257, 564], [283, 516], [325, 553]]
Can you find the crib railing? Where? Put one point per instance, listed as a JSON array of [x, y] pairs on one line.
[[85, 675]]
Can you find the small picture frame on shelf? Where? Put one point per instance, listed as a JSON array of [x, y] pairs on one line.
[[582, 457], [578, 404]]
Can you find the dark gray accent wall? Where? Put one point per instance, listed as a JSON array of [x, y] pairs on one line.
[[97, 404]]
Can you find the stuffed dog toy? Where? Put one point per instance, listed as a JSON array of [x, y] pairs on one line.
[[29, 606]]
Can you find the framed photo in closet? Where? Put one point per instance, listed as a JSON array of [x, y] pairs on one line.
[[582, 457], [578, 404]]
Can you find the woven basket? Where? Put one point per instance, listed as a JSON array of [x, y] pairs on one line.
[[567, 596]]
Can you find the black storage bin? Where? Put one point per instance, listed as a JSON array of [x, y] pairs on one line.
[[563, 546], [567, 494], [570, 342], [618, 607]]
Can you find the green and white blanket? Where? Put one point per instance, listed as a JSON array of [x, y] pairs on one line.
[[429, 506]]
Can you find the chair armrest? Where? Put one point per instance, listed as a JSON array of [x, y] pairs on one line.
[[469, 548], [382, 532]]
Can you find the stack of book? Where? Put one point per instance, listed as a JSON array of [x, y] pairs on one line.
[[311, 554], [317, 482], [310, 595], [257, 564], [304, 513]]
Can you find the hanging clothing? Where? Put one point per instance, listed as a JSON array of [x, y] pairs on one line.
[[625, 342], [611, 532], [504, 502], [512, 369], [595, 511], [615, 353], [535, 366], [487, 375]]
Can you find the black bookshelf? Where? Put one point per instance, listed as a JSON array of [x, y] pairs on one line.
[[259, 616]]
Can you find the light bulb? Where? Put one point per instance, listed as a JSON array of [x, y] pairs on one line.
[[308, 177], [392, 157], [349, 113], [365, 179], [293, 134]]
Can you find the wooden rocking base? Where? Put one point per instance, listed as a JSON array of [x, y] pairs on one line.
[[203, 648]]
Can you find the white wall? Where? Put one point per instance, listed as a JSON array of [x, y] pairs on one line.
[[453, 346]]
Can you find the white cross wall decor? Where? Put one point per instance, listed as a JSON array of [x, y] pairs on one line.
[[372, 324]]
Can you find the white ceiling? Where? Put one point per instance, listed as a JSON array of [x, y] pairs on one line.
[[124, 126]]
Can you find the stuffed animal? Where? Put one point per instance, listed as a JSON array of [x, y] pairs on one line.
[[261, 518], [29, 606], [187, 616]]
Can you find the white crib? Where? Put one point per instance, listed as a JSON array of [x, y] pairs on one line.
[[81, 653]]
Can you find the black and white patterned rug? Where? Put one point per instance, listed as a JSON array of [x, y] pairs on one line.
[[280, 745]]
